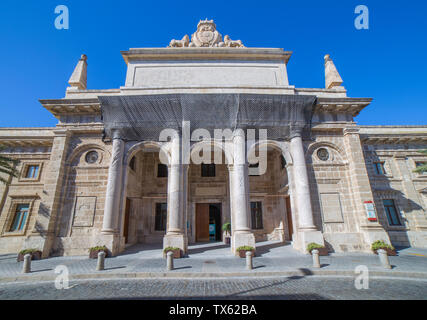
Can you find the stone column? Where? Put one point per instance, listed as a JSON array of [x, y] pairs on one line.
[[242, 234], [307, 231], [114, 186], [177, 183]]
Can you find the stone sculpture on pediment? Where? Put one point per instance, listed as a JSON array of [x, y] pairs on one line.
[[206, 36], [184, 42]]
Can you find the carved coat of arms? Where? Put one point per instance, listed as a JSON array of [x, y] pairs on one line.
[[206, 36]]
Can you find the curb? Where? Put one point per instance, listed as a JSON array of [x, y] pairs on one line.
[[187, 275]]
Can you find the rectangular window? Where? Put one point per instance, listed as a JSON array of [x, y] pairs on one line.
[[392, 214], [21, 214], [379, 168], [208, 170], [161, 216], [162, 170], [256, 215], [32, 172]]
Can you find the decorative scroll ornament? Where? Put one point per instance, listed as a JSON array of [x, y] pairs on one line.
[[206, 36]]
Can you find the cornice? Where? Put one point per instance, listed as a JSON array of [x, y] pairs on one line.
[[405, 139], [342, 105], [59, 107], [188, 53], [26, 141]]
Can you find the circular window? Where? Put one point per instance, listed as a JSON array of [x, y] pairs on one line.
[[323, 154], [91, 157]]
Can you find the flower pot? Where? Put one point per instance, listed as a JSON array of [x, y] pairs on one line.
[[227, 240], [36, 255], [390, 252], [94, 254], [176, 253], [242, 253]]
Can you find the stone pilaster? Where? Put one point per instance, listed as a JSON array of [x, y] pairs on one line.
[[306, 231], [239, 192], [43, 234], [361, 188]]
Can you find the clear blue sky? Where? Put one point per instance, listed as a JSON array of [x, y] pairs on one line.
[[388, 62]]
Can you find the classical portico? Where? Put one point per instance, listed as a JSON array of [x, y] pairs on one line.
[[224, 103]]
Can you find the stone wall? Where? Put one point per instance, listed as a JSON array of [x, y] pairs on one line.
[[332, 193], [83, 197], [400, 184], [22, 191]]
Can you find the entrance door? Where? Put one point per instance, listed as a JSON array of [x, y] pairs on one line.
[[289, 217], [202, 222], [215, 222]]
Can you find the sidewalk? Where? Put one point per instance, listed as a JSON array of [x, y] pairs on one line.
[[216, 260]]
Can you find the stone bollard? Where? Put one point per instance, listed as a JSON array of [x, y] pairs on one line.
[[101, 261], [27, 264], [384, 258], [169, 258], [316, 261], [249, 255]]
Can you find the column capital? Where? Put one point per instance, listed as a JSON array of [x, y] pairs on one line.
[[295, 131], [116, 135]]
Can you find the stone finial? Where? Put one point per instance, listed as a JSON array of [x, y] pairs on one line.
[[78, 79], [332, 77]]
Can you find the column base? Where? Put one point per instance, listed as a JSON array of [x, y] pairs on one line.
[[303, 238], [177, 241], [111, 241], [242, 239]]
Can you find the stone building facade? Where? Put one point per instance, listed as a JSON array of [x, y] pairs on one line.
[[327, 181]]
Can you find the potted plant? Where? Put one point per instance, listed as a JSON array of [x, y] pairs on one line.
[[36, 254], [176, 252], [93, 252], [241, 251], [379, 244], [323, 251], [226, 227]]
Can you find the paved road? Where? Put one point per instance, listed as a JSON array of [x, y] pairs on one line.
[[287, 288]]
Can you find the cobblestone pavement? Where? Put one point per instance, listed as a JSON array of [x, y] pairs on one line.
[[283, 288], [216, 258]]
